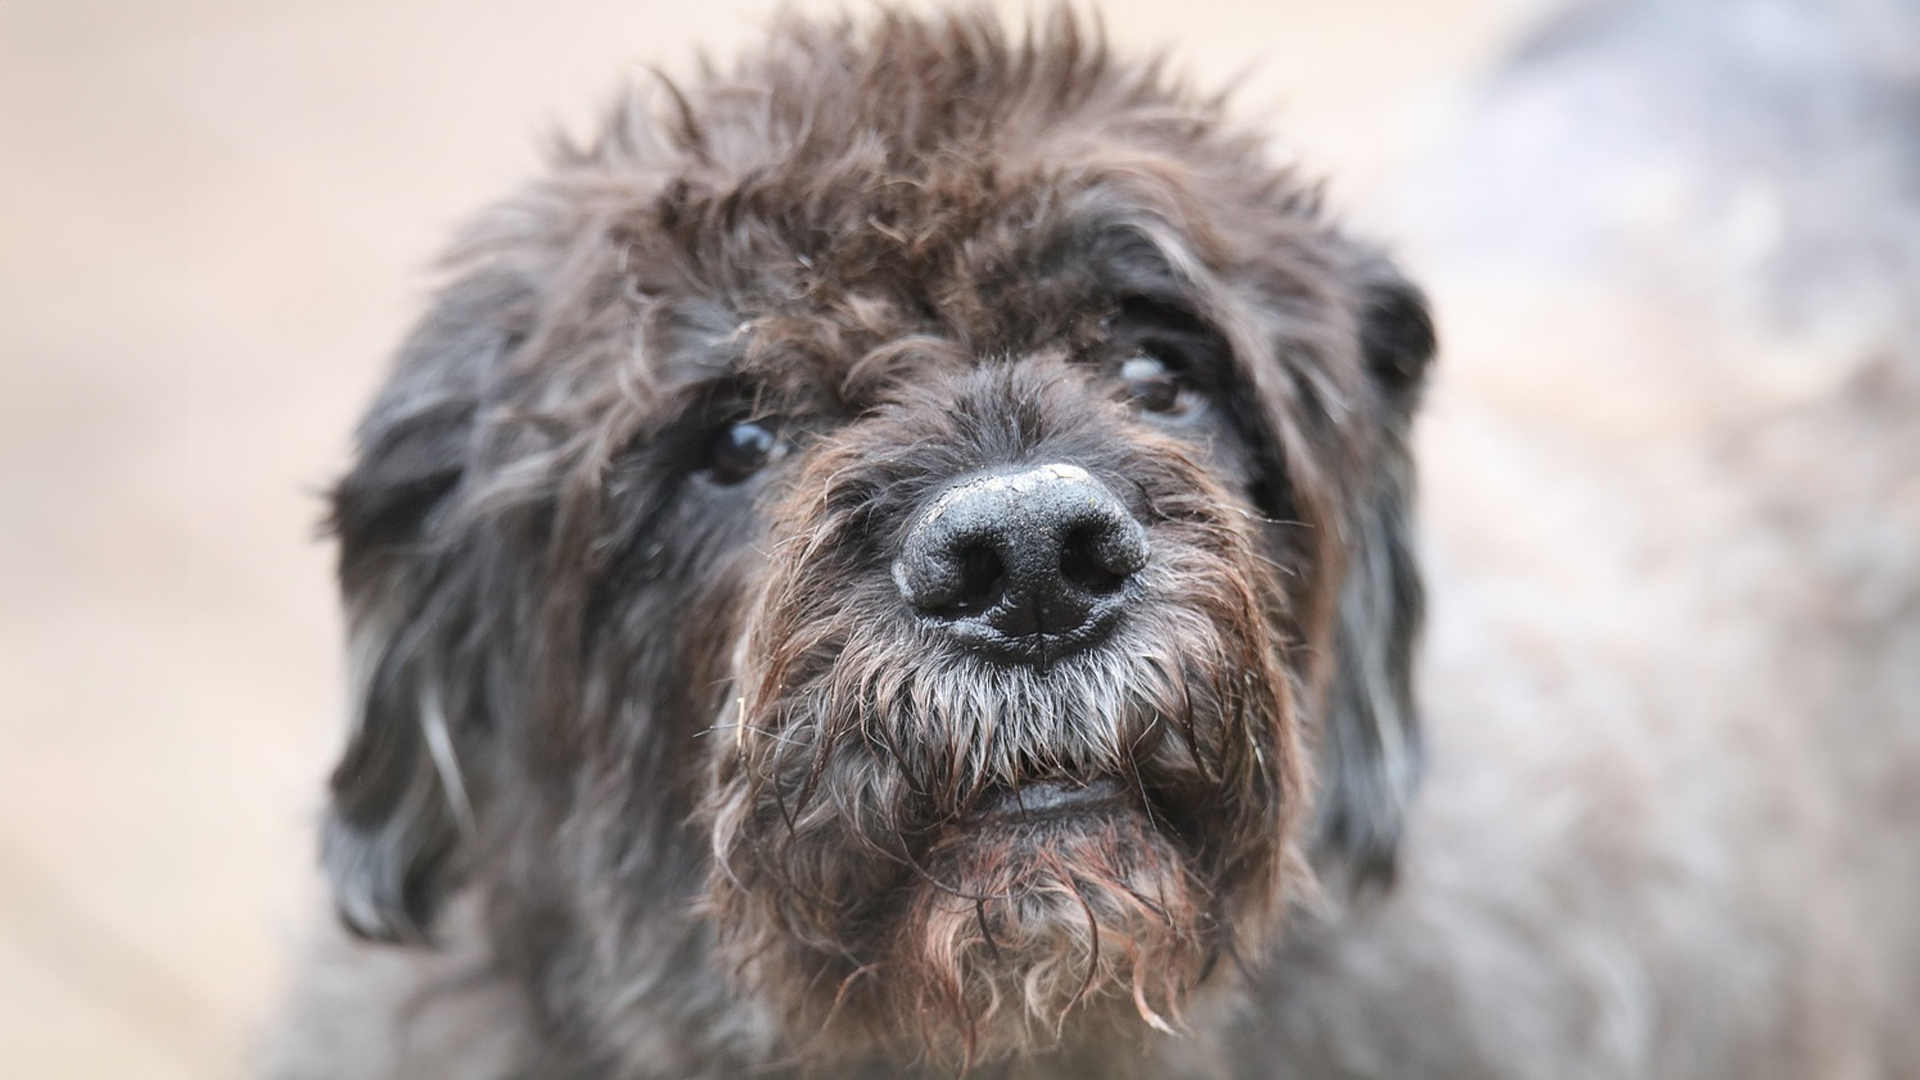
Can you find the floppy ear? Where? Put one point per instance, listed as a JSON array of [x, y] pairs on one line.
[[1372, 756], [1396, 336], [405, 789]]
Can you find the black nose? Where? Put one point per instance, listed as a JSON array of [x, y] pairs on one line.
[[1027, 566]]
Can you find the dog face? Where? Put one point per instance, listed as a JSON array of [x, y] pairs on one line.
[[1015, 739], [872, 554]]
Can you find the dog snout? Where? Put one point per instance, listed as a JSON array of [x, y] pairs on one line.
[[1028, 565]]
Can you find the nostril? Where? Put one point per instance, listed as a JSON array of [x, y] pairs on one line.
[[951, 577], [982, 578], [1083, 563], [1099, 556]]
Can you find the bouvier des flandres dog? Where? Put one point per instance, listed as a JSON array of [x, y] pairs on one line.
[[895, 560]]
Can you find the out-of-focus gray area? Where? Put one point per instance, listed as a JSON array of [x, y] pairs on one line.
[[1746, 170], [215, 219]]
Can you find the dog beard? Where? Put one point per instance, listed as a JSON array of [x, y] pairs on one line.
[[987, 859]]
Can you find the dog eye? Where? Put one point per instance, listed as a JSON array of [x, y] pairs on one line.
[[740, 450], [1153, 386]]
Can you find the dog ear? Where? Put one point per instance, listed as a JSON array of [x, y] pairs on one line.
[[403, 791], [1396, 333], [1372, 756]]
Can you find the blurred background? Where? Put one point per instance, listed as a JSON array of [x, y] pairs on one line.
[[216, 218]]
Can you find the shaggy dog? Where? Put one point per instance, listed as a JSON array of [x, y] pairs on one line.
[[896, 561]]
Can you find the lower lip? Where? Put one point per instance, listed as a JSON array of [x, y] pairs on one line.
[[1049, 799]]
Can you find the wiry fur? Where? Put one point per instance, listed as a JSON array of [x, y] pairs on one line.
[[654, 775], [863, 741]]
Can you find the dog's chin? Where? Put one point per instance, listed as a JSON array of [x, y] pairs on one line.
[[1054, 913]]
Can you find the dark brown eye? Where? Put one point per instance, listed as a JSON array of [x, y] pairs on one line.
[[1152, 386], [740, 450]]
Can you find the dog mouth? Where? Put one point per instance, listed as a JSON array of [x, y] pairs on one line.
[[1037, 801]]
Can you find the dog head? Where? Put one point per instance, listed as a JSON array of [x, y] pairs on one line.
[[884, 541]]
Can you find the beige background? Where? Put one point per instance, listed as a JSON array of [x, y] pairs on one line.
[[215, 217]]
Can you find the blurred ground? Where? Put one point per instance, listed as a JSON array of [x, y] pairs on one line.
[[214, 221]]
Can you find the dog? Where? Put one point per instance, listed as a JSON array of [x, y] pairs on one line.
[[898, 560]]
